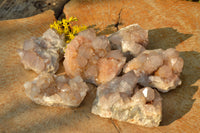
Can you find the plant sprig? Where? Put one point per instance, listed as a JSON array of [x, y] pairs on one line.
[[65, 27]]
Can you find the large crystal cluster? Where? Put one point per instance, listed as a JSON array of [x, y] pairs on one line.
[[121, 99], [90, 57], [52, 90], [157, 68], [131, 40], [43, 53]]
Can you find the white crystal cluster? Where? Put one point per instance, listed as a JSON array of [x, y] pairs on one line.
[[157, 68], [90, 57], [121, 99], [43, 53], [51, 90]]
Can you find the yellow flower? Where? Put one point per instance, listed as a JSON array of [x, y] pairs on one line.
[[65, 27]]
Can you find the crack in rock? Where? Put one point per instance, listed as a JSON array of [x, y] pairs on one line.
[[115, 126], [118, 20]]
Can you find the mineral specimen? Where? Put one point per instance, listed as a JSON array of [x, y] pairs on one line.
[[90, 57], [43, 53], [131, 39], [52, 90], [157, 68], [121, 99]]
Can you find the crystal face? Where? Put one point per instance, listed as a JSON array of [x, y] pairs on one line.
[[43, 53], [90, 57], [52, 90], [157, 68], [122, 99]]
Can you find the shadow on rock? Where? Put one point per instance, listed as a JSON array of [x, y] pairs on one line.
[[109, 29], [178, 102], [165, 38]]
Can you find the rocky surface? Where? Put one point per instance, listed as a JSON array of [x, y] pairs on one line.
[[43, 53], [52, 90], [90, 57], [131, 40], [122, 100], [157, 68]]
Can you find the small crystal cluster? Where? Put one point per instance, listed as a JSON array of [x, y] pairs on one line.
[[90, 57], [51, 90], [157, 68], [131, 40], [43, 53], [121, 99]]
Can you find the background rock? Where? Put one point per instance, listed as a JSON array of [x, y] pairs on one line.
[[181, 110], [108, 15]]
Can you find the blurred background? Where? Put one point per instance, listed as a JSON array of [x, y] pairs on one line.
[[13, 9]]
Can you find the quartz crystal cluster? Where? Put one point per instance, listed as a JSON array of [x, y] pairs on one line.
[[43, 53], [131, 97], [157, 68], [51, 90], [90, 57], [131, 40], [121, 99]]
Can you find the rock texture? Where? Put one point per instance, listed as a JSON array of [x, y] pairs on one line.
[[157, 68], [108, 16], [43, 53], [171, 23], [131, 40], [90, 57], [122, 100], [52, 90]]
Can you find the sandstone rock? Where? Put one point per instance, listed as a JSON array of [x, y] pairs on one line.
[[43, 53], [122, 100], [131, 39], [157, 68], [90, 57], [52, 90]]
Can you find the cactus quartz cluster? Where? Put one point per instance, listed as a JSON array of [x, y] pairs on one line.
[[128, 77]]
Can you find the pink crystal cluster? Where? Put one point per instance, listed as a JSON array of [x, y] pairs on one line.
[[127, 75], [90, 57], [157, 68]]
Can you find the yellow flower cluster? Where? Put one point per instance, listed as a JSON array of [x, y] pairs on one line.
[[65, 27]]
